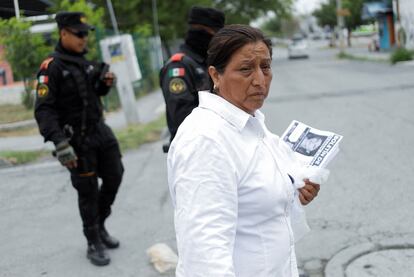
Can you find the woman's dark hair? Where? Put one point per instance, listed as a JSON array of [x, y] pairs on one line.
[[228, 40]]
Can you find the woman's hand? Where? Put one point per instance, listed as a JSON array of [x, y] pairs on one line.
[[308, 192]]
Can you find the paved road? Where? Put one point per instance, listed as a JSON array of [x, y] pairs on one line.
[[368, 197]]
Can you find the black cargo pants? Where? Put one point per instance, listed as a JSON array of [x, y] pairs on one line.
[[99, 156]]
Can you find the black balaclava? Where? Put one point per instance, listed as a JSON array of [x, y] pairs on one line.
[[198, 39]]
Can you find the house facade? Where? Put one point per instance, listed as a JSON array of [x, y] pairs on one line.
[[406, 15], [6, 74]]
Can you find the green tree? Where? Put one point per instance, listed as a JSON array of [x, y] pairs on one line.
[[244, 11], [137, 15], [326, 15], [354, 19], [272, 26], [282, 27], [94, 16], [24, 51]]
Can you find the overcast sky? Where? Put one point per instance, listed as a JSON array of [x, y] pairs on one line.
[[300, 7], [307, 6]]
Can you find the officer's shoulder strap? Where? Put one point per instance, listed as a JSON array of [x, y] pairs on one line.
[[177, 57], [183, 58], [45, 64]]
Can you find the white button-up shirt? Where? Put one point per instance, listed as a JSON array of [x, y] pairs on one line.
[[228, 178]]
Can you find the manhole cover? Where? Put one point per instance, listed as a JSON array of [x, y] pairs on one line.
[[387, 258], [384, 263]]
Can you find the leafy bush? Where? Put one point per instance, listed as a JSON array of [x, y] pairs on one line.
[[24, 51], [401, 54]]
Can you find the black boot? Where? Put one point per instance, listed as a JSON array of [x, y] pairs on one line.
[[108, 240], [96, 250]]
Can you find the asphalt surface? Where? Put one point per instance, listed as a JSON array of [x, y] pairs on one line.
[[361, 221], [368, 196]]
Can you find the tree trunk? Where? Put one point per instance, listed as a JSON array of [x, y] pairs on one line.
[[28, 97], [349, 37]]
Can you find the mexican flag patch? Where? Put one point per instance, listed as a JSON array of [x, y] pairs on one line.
[[176, 72], [43, 79]]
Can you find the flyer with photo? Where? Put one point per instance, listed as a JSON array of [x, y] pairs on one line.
[[312, 146]]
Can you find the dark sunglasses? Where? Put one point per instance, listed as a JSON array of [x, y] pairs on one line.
[[79, 34]]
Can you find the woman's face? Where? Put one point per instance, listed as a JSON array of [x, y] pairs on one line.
[[246, 79]]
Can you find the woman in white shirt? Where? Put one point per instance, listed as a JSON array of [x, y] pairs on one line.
[[229, 178]]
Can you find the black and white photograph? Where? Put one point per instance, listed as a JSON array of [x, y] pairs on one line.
[[310, 144]]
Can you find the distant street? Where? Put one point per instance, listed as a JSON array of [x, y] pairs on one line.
[[368, 196]]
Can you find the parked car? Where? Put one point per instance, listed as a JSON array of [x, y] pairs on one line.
[[298, 48]]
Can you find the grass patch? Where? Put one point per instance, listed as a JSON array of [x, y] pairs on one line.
[[22, 157], [401, 55], [14, 113], [344, 55], [129, 138], [135, 135], [20, 132]]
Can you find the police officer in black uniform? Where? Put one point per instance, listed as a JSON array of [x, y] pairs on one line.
[[185, 73], [68, 111]]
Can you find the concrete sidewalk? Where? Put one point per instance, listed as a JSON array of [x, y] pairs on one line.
[[360, 49], [149, 108]]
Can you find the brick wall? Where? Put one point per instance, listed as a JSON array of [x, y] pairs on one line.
[[6, 66]]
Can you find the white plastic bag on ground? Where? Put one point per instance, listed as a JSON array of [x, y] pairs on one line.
[[163, 257]]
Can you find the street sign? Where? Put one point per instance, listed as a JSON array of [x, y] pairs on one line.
[[343, 12], [119, 52]]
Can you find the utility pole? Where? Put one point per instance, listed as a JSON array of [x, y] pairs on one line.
[[397, 4], [397, 26], [157, 34], [340, 23], [113, 18], [16, 9], [155, 18]]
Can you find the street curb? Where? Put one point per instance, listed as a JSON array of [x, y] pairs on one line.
[[28, 167], [337, 265], [406, 63], [17, 125]]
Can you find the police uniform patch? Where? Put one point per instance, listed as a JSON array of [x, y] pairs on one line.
[[176, 72], [43, 79], [177, 85], [42, 90]]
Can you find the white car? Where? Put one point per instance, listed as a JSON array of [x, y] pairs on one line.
[[298, 48]]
